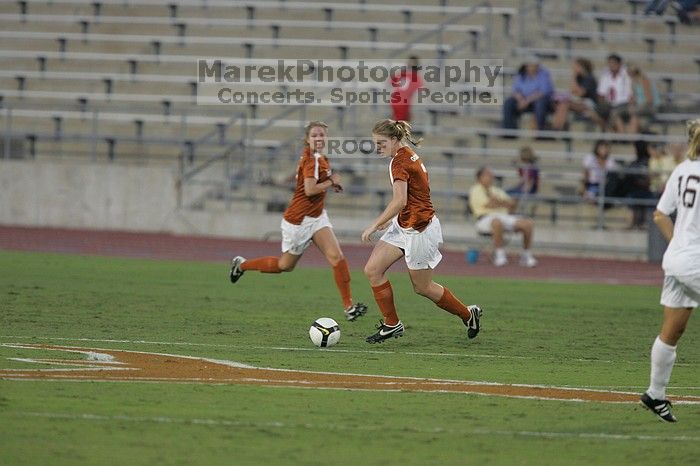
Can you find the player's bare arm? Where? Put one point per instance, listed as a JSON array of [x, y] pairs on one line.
[[664, 223], [312, 187], [335, 179], [496, 203], [397, 203]]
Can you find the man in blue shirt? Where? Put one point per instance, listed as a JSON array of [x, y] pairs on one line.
[[532, 92]]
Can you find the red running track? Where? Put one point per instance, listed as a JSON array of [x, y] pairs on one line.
[[200, 248]]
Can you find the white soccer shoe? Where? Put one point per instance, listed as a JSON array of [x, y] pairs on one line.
[[499, 260], [527, 260]]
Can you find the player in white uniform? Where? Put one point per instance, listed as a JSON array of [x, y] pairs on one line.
[[681, 264]]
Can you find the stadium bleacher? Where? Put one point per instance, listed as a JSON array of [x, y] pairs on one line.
[[115, 80]]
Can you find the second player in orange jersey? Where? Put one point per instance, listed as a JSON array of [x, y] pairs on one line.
[[306, 221]]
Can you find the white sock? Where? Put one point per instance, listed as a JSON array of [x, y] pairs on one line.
[[500, 252], [662, 358], [527, 253]]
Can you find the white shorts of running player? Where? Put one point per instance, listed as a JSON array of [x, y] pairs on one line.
[[681, 291], [483, 225], [296, 238], [420, 247]]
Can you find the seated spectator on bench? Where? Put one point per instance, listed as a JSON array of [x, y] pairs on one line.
[[656, 6], [678, 152], [645, 95], [580, 99], [595, 169], [528, 172], [532, 92], [615, 98], [688, 11], [493, 209], [637, 184], [661, 165]]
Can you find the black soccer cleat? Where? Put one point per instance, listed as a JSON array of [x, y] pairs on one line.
[[385, 331], [236, 271], [474, 322], [661, 408], [355, 311]]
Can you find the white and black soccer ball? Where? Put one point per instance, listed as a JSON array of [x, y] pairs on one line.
[[324, 332]]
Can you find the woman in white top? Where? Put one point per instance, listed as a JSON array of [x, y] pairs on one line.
[[681, 264], [595, 168]]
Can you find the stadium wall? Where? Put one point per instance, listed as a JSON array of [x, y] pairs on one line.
[[86, 195], [81, 194]]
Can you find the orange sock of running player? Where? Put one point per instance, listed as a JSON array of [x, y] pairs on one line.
[[453, 305], [268, 264], [384, 296], [341, 273]]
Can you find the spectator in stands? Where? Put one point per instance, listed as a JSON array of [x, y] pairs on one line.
[[637, 183], [677, 151], [656, 6], [688, 11], [615, 97], [528, 172], [493, 209], [532, 92], [645, 95], [661, 165], [580, 99], [405, 84], [595, 169]]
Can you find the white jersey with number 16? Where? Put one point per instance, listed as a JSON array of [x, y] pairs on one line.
[[682, 194]]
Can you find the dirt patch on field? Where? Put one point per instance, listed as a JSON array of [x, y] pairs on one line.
[[118, 365]]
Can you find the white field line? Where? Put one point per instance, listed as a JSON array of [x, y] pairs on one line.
[[225, 382], [332, 350], [310, 384], [83, 369], [66, 362], [628, 387], [342, 428], [78, 365]]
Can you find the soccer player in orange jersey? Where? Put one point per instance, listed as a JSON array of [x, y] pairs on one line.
[[412, 232], [306, 221]]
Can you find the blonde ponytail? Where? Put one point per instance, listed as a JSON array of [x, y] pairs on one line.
[[694, 139], [400, 130]]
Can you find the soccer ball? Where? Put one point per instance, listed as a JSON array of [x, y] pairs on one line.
[[324, 332]]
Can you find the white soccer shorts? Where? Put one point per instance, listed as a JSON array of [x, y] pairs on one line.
[[483, 225], [420, 247], [296, 238], [681, 291]]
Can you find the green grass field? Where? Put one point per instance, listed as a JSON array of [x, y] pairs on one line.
[[577, 335]]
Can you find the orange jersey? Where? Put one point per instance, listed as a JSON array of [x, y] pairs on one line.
[[310, 166], [407, 166]]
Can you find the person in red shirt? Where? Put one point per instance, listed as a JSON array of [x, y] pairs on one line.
[[412, 231], [306, 221], [405, 84]]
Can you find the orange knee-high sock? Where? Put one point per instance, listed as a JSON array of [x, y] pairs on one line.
[[453, 305], [384, 296], [341, 273], [269, 264]]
